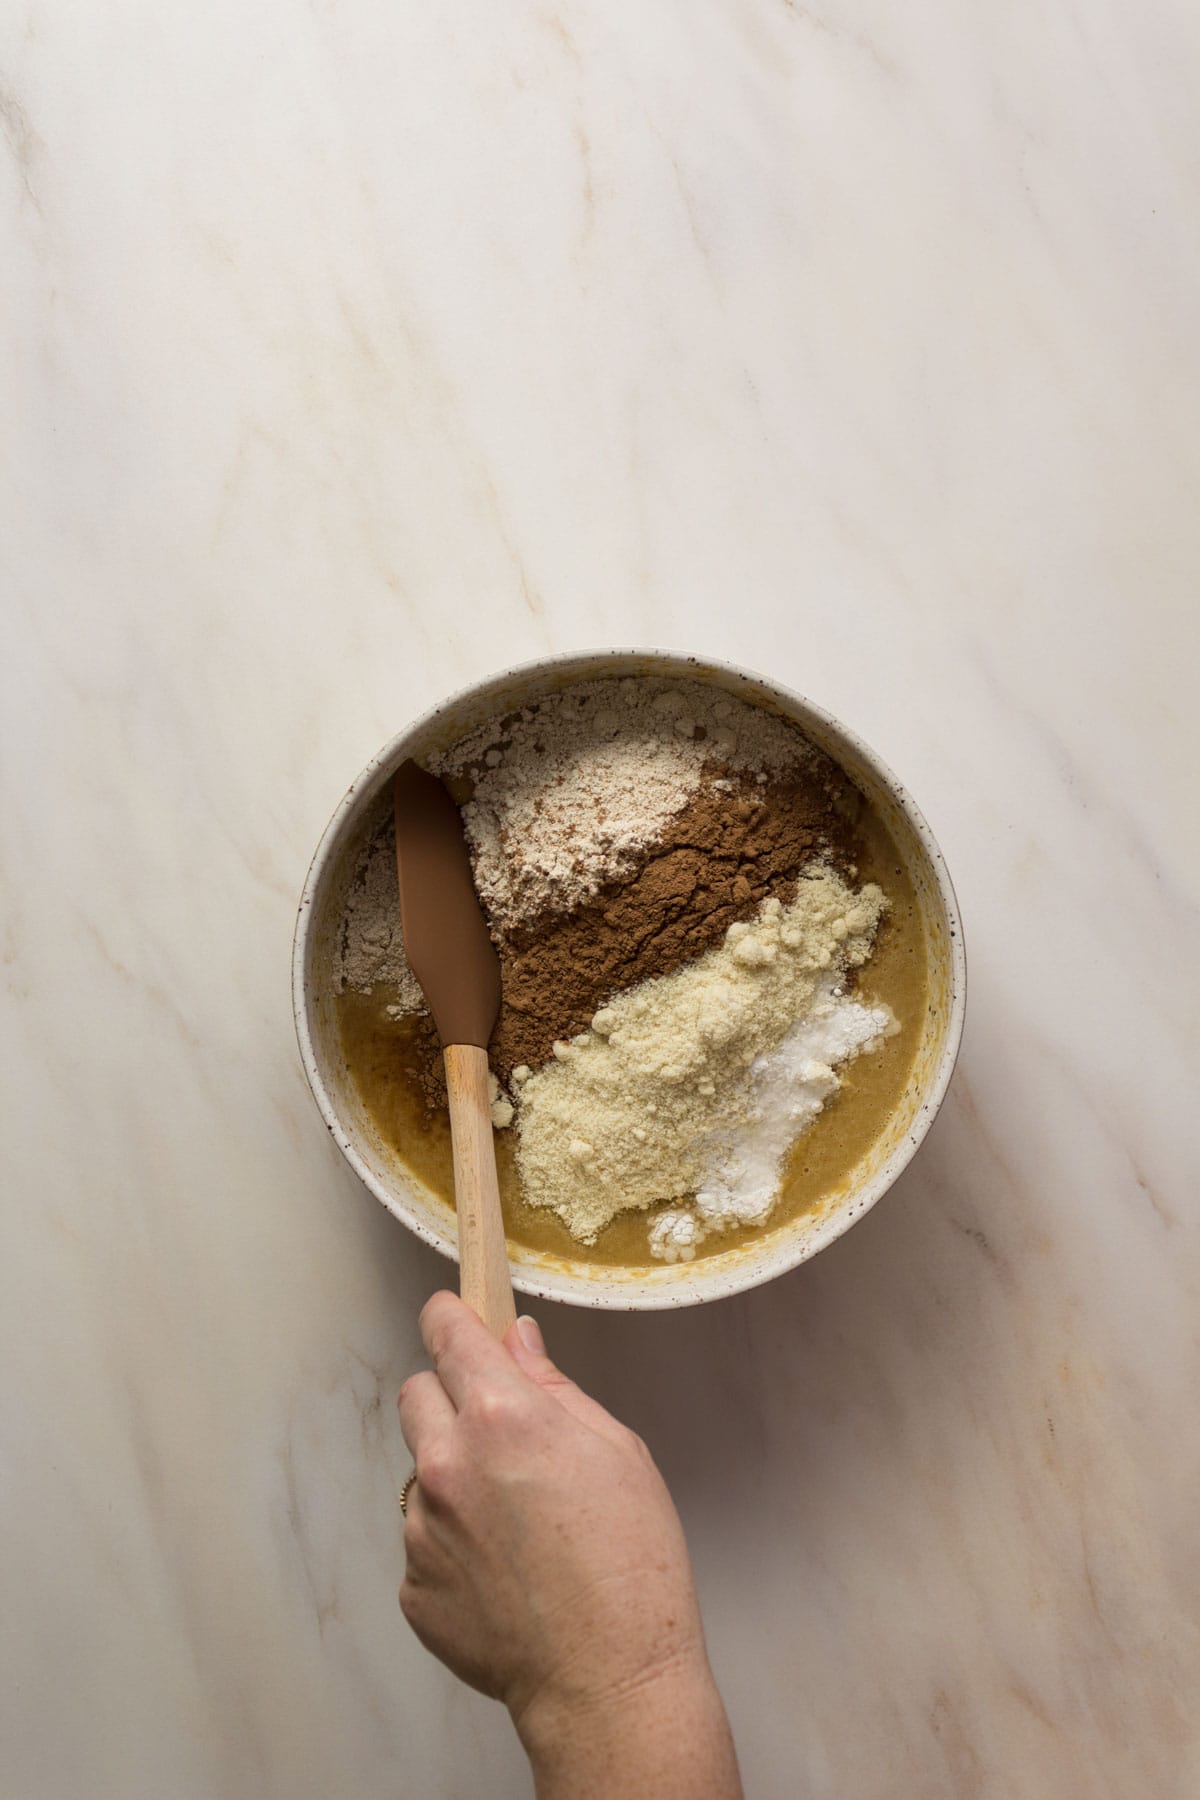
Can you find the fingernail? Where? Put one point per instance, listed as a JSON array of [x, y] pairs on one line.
[[530, 1334]]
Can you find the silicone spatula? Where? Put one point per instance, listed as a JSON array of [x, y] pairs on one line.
[[451, 955]]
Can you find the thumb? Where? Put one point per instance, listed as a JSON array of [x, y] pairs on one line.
[[527, 1348]]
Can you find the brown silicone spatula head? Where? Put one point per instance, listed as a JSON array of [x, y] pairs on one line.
[[445, 938]]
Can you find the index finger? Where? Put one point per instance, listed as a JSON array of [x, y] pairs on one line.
[[463, 1349]]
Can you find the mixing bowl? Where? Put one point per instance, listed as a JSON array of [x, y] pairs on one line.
[[770, 1252]]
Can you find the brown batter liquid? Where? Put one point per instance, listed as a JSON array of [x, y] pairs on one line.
[[382, 1057]]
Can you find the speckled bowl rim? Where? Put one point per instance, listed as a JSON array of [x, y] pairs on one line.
[[679, 1284]]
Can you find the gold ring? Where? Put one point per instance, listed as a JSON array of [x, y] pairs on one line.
[[405, 1491]]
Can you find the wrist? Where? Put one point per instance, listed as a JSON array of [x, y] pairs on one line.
[[661, 1731]]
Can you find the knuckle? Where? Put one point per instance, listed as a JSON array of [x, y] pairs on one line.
[[415, 1385], [437, 1471], [494, 1410], [410, 1602], [637, 1446]]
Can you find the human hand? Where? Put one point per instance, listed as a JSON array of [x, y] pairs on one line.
[[545, 1564]]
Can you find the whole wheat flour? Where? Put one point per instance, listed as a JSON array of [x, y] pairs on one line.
[[567, 792]]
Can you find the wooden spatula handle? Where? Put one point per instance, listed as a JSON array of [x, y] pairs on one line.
[[483, 1276]]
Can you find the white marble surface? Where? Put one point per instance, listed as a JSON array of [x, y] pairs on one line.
[[352, 350]]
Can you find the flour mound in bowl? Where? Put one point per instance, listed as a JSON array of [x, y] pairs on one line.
[[566, 794]]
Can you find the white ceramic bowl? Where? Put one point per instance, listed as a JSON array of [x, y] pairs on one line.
[[582, 1283]]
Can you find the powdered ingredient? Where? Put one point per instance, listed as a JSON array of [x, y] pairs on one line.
[[731, 847], [626, 1114], [565, 793], [787, 1090], [372, 944]]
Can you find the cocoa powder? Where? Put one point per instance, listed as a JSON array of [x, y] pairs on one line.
[[737, 843]]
